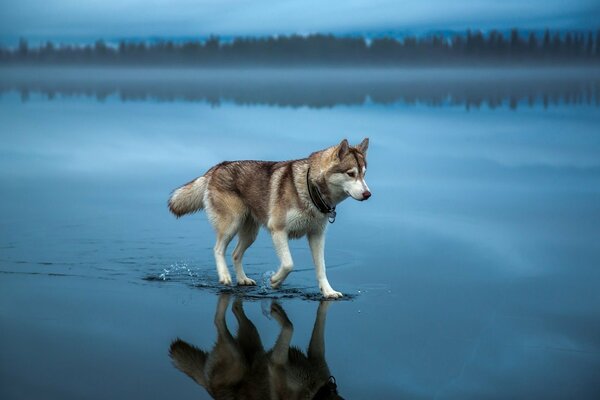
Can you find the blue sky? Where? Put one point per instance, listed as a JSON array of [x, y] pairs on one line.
[[86, 19]]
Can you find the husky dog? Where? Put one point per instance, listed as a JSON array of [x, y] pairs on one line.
[[290, 198], [240, 368]]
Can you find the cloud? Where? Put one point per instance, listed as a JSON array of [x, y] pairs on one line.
[[125, 18]]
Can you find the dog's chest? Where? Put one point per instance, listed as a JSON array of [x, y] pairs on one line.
[[299, 223]]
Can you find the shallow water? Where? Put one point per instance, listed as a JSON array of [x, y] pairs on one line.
[[472, 272]]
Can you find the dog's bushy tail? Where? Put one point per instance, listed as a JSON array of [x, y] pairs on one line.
[[188, 198], [189, 360]]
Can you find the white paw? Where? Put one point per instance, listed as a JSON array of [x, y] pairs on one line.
[[275, 283], [226, 280], [245, 281], [280, 316], [331, 294]]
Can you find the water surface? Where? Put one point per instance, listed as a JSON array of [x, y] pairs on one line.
[[472, 272]]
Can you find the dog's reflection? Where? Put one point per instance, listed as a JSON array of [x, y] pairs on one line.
[[240, 368]]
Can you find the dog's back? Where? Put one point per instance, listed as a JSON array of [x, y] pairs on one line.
[[241, 187]]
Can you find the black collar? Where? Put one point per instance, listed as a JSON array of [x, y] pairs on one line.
[[318, 200]]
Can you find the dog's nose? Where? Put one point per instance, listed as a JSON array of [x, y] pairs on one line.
[[366, 194]]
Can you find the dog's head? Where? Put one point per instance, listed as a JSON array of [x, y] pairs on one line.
[[347, 166]]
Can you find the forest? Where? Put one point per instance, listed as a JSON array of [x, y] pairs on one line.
[[470, 48]]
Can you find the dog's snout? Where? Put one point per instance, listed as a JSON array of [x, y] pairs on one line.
[[366, 194]]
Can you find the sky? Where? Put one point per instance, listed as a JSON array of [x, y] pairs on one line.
[[112, 19]]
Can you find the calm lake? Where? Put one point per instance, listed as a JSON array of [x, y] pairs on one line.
[[473, 271]]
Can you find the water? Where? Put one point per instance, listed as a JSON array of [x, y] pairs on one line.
[[472, 272]]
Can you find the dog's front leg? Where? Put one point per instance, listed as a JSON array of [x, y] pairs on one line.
[[316, 241], [316, 348], [281, 349], [280, 241]]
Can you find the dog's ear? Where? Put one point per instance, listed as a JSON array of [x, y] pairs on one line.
[[342, 149], [363, 146]]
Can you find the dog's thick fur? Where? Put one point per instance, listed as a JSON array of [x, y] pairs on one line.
[[240, 196], [240, 368]]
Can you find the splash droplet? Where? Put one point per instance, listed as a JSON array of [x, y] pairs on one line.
[[265, 282]]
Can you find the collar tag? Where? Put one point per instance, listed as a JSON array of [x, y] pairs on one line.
[[331, 217]]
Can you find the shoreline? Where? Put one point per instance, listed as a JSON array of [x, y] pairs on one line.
[[332, 72]]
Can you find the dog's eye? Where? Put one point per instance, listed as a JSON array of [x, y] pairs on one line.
[[351, 174]]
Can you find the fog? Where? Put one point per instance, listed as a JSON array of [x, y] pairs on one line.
[[502, 87]]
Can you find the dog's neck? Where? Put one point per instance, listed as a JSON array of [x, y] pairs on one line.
[[319, 195]]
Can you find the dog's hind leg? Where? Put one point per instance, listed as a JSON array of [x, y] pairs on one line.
[[226, 213], [280, 351], [225, 364], [220, 322], [223, 239], [226, 229], [247, 336], [246, 236]]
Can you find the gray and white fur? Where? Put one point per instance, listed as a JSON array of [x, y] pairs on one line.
[[240, 196]]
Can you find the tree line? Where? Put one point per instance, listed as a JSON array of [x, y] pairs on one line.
[[472, 47]]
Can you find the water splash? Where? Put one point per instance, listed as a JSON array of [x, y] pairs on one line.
[[179, 271], [265, 307], [265, 282], [205, 278]]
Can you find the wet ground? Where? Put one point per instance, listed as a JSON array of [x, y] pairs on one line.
[[472, 272]]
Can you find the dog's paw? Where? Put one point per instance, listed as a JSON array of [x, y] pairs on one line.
[[246, 282], [275, 283], [279, 314], [226, 280], [332, 294], [238, 307]]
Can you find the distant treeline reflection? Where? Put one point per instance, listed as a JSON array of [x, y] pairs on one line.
[[314, 88], [473, 47]]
